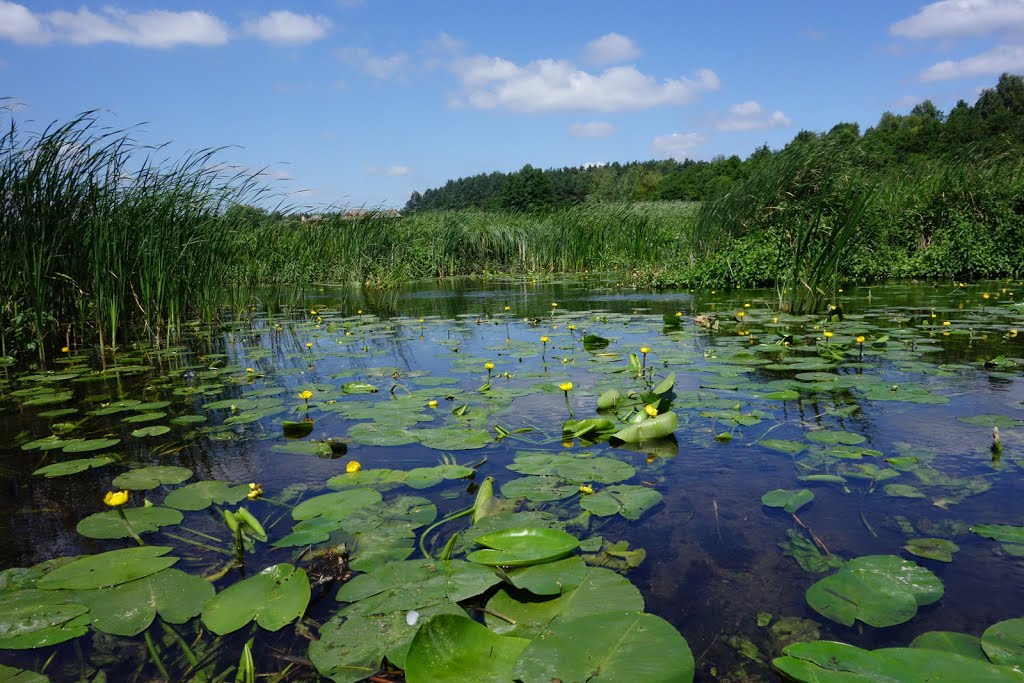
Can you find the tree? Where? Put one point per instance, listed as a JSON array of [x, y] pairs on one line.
[[527, 190]]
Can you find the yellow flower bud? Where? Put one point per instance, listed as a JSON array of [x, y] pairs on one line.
[[309, 345], [64, 349], [860, 339], [651, 410], [353, 467], [586, 489], [306, 395], [565, 386], [432, 403], [946, 323], [645, 350], [543, 340], [488, 365], [829, 334], [116, 499]]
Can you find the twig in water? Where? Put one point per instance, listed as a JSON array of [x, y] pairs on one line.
[[718, 526], [814, 536]]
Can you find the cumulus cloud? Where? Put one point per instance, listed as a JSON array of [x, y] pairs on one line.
[[961, 18], [999, 59], [612, 48], [388, 170], [151, 28], [378, 67], [678, 146], [549, 85], [287, 28], [750, 115], [591, 129]]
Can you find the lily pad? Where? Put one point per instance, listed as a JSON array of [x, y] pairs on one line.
[[879, 590], [932, 548], [617, 646], [63, 469], [143, 520], [627, 500], [455, 649], [522, 547], [202, 494], [657, 427], [275, 597], [1004, 643], [83, 446], [146, 478], [108, 569], [788, 500]]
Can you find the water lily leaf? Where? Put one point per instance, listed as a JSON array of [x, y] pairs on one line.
[[359, 388], [950, 641], [296, 430], [1001, 421], [202, 494], [1004, 533], [549, 578], [144, 520], [145, 417], [539, 489], [609, 399], [308, 532], [62, 469], [654, 428], [902, 491], [33, 626], [616, 646], [593, 342], [455, 649], [26, 612], [522, 547], [353, 646], [275, 597], [454, 438], [9, 674], [835, 437], [629, 501], [150, 477], [879, 590], [806, 553], [788, 500], [415, 584], [792, 447], [599, 470], [315, 448], [82, 446], [129, 608], [601, 591], [336, 506], [375, 434], [1004, 643], [108, 569], [592, 429], [831, 662], [932, 548]]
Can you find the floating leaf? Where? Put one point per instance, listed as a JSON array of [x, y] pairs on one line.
[[150, 477], [788, 500], [108, 569], [932, 548], [82, 446], [143, 520], [1004, 643], [202, 494], [950, 641], [359, 388], [336, 506], [616, 646], [522, 547], [880, 590], [455, 649], [835, 437], [63, 469], [549, 578], [629, 501], [275, 597], [654, 428]]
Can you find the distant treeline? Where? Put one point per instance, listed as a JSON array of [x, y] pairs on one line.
[[993, 125]]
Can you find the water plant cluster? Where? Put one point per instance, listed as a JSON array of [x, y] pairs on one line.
[[321, 490]]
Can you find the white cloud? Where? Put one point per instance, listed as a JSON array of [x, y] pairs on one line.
[[388, 170], [558, 85], [677, 146], [591, 129], [152, 28], [17, 23], [612, 48], [750, 115], [961, 18], [287, 28], [995, 61], [378, 67]]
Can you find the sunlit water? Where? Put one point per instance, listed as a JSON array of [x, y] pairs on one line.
[[713, 556]]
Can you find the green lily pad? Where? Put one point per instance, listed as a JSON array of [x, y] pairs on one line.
[[616, 646], [788, 500], [879, 590], [202, 494], [549, 578], [108, 569], [275, 597], [63, 469], [624, 499], [932, 548], [83, 446], [657, 427], [129, 608], [153, 430], [835, 437], [902, 491], [144, 520], [783, 445], [336, 506], [454, 438], [1004, 643], [359, 388], [539, 489], [9, 674], [950, 641], [455, 649], [146, 478], [415, 584], [522, 547], [374, 434], [831, 662]]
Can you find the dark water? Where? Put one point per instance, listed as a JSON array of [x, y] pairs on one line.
[[713, 557]]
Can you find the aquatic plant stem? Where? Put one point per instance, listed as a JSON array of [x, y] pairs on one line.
[[131, 529], [156, 657], [454, 515]]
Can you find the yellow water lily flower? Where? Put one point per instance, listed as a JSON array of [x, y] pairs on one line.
[[250, 370], [746, 305], [586, 489], [829, 334], [488, 365], [740, 314], [985, 295], [860, 339], [64, 349], [544, 340], [651, 410], [645, 350], [572, 327], [1012, 333], [554, 305], [309, 345], [508, 308], [421, 320], [255, 491], [306, 395], [679, 314], [946, 323], [116, 499], [568, 443], [565, 386], [432, 403], [353, 467]]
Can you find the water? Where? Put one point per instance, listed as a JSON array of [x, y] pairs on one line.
[[713, 556]]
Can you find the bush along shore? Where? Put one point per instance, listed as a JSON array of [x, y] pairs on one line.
[[104, 241]]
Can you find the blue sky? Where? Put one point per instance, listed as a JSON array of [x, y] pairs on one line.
[[360, 102]]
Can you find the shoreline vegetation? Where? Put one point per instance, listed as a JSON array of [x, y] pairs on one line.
[[106, 241]]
